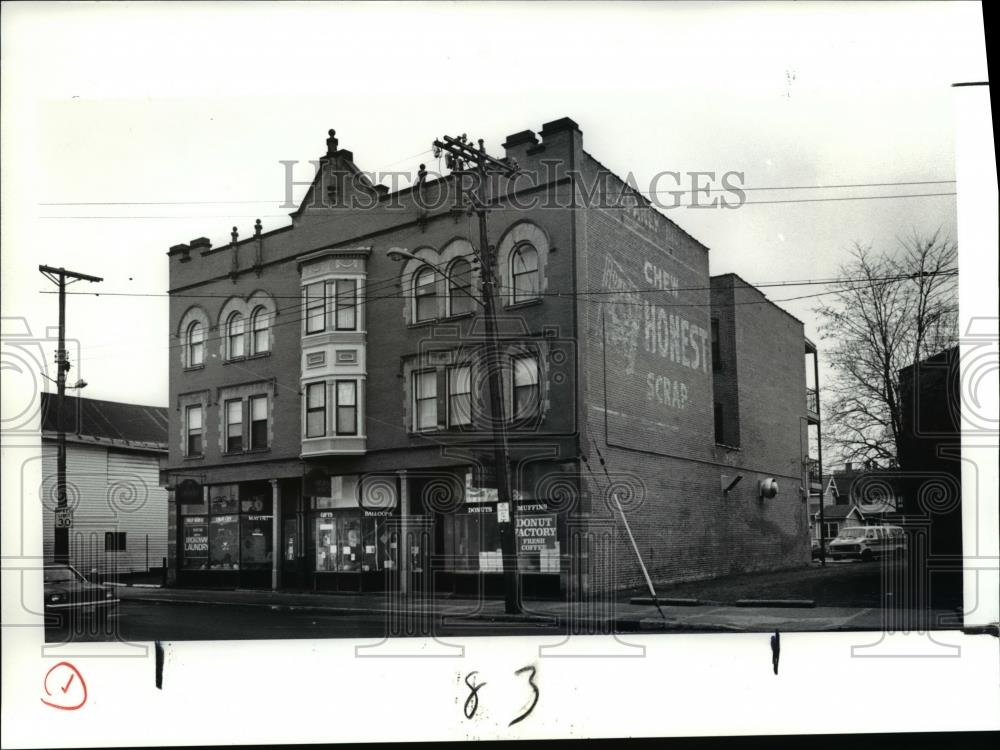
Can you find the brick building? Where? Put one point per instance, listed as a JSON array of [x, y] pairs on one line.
[[328, 409]]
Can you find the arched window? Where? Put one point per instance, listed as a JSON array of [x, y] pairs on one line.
[[260, 327], [236, 336], [195, 344], [524, 273], [460, 299], [425, 295]]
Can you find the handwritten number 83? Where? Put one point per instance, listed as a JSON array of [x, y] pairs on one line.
[[472, 702]]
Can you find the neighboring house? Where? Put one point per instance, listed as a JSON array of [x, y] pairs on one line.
[[835, 518], [113, 453], [328, 417]]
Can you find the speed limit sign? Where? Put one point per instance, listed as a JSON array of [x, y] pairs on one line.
[[64, 518]]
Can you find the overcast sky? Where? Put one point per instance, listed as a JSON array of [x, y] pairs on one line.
[[179, 115]]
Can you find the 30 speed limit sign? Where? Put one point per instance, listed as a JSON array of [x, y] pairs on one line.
[[64, 518]]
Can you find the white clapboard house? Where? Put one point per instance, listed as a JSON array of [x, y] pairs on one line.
[[119, 510]]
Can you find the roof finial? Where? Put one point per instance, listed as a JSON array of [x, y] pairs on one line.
[[257, 228], [235, 235], [331, 143]]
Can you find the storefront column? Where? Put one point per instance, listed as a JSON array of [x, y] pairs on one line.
[[276, 526], [403, 555]]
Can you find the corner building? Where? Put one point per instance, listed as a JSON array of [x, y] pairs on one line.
[[329, 420]]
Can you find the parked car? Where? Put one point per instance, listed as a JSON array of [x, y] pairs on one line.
[[66, 590], [867, 542]]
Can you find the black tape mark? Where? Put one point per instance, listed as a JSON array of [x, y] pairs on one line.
[[775, 650], [159, 666]]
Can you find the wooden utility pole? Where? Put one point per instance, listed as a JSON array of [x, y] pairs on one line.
[[462, 159], [59, 277]]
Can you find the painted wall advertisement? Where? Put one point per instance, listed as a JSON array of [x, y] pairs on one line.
[[656, 336]]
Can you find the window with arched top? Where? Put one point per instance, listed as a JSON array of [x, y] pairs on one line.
[[260, 330], [524, 273], [460, 299], [425, 295], [235, 336], [195, 344]]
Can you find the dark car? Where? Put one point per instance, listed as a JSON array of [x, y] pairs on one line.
[[69, 594]]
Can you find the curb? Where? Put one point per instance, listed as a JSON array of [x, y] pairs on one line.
[[667, 602], [456, 618], [775, 603]]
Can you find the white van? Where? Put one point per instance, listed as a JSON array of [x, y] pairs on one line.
[[867, 542]]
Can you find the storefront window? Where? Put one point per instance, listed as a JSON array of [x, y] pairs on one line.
[[195, 554], [223, 552], [256, 543], [472, 541], [338, 541], [223, 498]]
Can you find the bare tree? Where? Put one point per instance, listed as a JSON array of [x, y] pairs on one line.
[[887, 312]]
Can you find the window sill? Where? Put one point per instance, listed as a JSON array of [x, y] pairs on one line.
[[462, 316], [423, 323], [726, 446], [199, 457], [248, 451], [233, 360], [260, 355], [523, 303], [192, 368]]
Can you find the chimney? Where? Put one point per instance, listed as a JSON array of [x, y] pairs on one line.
[[848, 466]]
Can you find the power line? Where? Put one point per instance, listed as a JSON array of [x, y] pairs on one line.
[[707, 189], [295, 319], [388, 282]]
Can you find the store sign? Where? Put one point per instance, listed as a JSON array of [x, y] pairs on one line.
[[535, 533], [195, 541]]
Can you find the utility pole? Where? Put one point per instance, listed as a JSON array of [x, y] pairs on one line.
[[59, 277], [463, 158]]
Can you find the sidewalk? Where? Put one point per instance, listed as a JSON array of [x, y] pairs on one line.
[[620, 614]]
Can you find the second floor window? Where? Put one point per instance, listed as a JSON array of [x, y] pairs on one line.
[[195, 344], [315, 410], [258, 423], [525, 387], [460, 396], [347, 407], [236, 336], [524, 273], [425, 400], [345, 294], [192, 418], [425, 295], [234, 426], [315, 308], [260, 325], [460, 299]]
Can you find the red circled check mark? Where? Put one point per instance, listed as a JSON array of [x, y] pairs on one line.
[[74, 673]]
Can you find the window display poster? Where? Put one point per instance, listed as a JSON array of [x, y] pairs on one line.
[[535, 533], [195, 543]]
